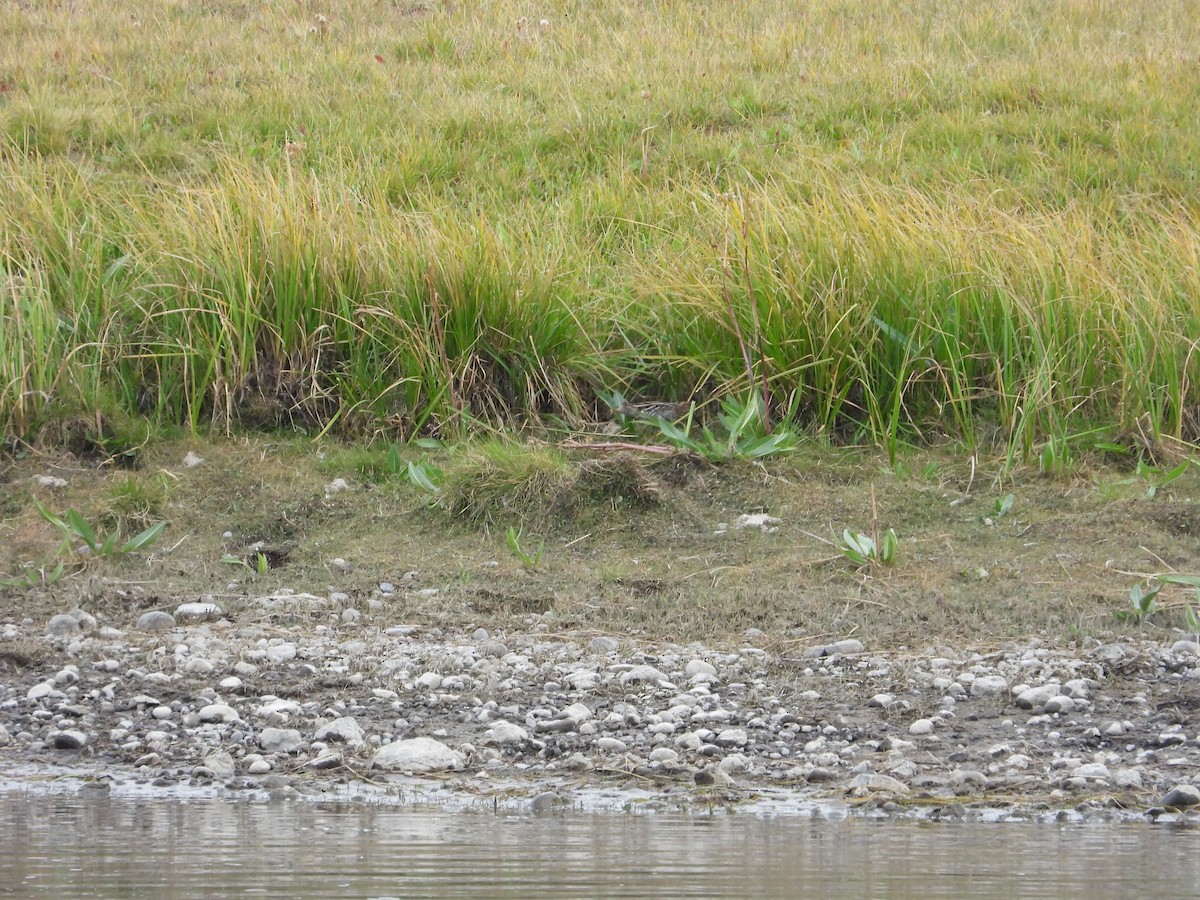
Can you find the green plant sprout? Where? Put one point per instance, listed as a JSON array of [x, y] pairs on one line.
[[74, 527], [261, 564], [513, 537], [746, 433], [425, 476], [1159, 479], [863, 550], [1055, 458], [34, 577], [1191, 618], [1142, 603]]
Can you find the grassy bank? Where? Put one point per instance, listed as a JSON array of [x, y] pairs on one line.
[[905, 220]]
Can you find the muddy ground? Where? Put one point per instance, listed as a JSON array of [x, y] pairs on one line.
[[764, 662]]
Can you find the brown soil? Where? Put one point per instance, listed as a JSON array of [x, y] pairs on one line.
[[631, 542]]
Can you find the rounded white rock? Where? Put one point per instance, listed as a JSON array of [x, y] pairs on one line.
[[218, 712], [989, 686], [417, 755], [699, 667]]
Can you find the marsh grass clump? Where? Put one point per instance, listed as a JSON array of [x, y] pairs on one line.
[[375, 462], [137, 502], [105, 438], [500, 481]]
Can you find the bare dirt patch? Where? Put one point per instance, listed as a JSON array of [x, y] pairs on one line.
[[630, 545]]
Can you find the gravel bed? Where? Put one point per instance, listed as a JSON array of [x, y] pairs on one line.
[[198, 697]]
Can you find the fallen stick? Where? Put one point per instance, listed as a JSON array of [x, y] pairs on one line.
[[608, 446]]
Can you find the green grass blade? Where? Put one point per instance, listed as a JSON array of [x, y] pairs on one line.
[[82, 530], [52, 518], [145, 538], [677, 436], [1172, 578], [1174, 473]]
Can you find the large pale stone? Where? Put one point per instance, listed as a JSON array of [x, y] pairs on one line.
[[989, 686], [218, 712], [345, 730], [417, 755], [280, 740]]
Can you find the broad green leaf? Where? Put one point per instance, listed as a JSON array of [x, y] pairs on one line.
[[860, 544], [887, 553], [678, 436], [895, 335], [81, 528], [394, 462], [756, 448], [52, 518], [750, 413], [109, 544], [145, 538], [419, 475], [1171, 578], [1174, 473]]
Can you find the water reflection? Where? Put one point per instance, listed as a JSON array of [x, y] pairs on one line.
[[94, 845]]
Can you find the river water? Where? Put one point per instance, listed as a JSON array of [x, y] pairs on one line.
[[90, 844]]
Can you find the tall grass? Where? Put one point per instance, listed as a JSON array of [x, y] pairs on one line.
[[907, 221]]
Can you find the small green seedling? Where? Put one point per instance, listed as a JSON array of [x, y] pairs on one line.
[[261, 564], [862, 550], [34, 577], [74, 527], [1003, 506], [1191, 618], [514, 544], [395, 464], [425, 476], [1055, 458], [1159, 479], [1142, 603]]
